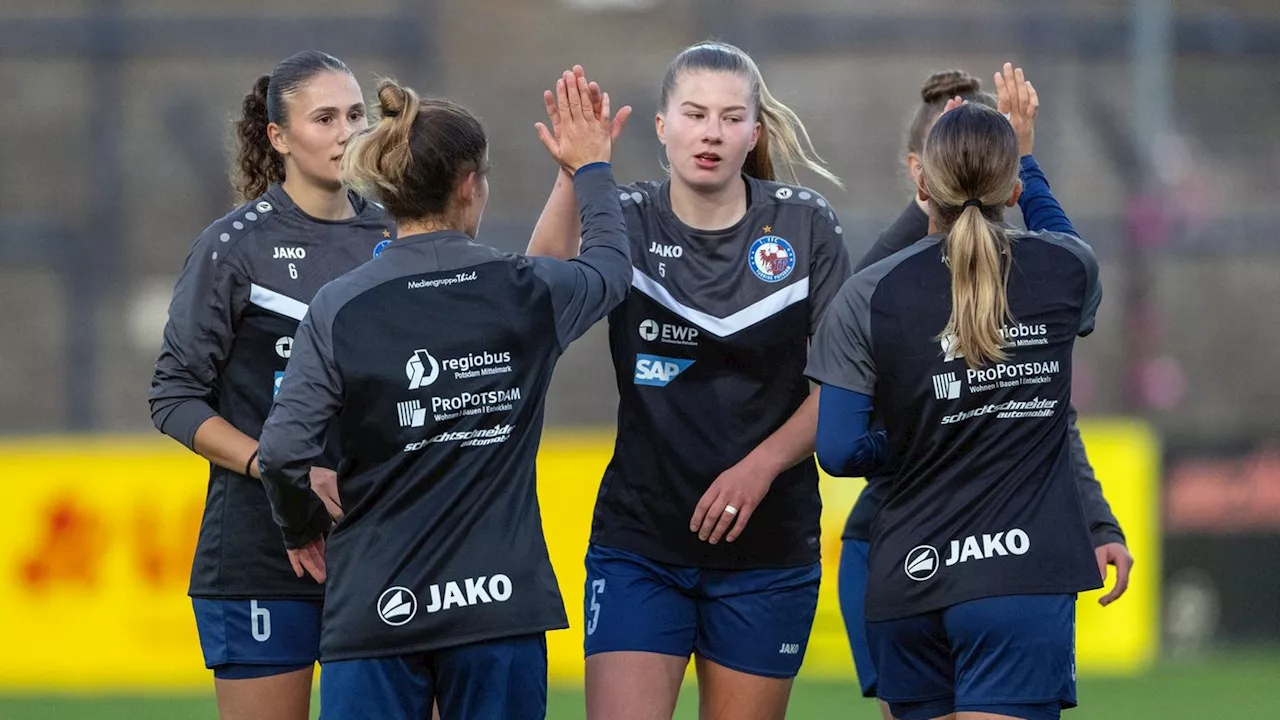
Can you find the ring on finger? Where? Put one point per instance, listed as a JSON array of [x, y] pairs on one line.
[[731, 509]]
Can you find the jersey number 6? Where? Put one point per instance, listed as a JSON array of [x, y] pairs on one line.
[[293, 271], [260, 621]]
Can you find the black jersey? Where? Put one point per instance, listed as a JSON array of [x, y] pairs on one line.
[[984, 502], [433, 361], [910, 227], [709, 350], [247, 282]]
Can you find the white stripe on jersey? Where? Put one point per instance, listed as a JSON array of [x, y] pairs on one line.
[[277, 303], [726, 326]]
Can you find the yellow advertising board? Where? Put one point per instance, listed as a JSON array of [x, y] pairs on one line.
[[96, 550]]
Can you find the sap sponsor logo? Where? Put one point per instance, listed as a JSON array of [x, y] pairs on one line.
[[921, 563], [771, 258], [471, 591], [289, 253], [495, 435], [658, 371], [397, 606], [986, 546], [275, 386], [946, 386], [477, 403], [666, 251], [1008, 375], [653, 331], [1012, 410], [458, 279]]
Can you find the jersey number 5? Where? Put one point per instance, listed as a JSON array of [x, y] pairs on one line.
[[597, 587], [259, 621]]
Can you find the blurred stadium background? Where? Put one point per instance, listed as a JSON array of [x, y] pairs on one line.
[[1158, 130]]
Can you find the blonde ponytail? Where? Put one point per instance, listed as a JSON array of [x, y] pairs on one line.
[[970, 172]]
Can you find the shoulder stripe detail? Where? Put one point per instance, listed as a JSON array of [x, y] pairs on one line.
[[277, 303], [726, 326]]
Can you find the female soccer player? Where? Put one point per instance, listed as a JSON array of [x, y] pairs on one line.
[[963, 344], [235, 310], [911, 226], [716, 420], [433, 363]]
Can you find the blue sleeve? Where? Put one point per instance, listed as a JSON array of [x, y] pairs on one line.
[[845, 444], [1040, 209]]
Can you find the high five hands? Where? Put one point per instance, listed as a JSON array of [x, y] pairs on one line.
[[582, 129]]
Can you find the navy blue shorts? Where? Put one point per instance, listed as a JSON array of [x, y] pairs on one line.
[[256, 638], [1012, 655], [853, 602], [753, 621], [497, 679]]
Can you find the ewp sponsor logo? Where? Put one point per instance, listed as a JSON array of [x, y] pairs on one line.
[[653, 331]]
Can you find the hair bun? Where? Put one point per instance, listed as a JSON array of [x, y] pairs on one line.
[[944, 85], [394, 99]]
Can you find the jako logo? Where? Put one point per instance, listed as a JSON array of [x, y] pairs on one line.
[[498, 589], [946, 386], [659, 371], [422, 369], [397, 606], [921, 563], [789, 649], [290, 253], [1014, 541], [666, 251]]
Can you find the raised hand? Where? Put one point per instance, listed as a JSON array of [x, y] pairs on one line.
[[1017, 99], [579, 113]]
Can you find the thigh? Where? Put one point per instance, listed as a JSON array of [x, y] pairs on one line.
[[758, 621], [853, 599], [278, 696], [628, 685], [246, 639], [728, 694], [501, 679], [392, 688], [913, 657], [633, 604], [1015, 655]]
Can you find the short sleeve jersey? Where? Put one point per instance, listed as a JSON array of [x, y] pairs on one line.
[[984, 502]]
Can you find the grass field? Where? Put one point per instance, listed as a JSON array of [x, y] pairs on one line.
[[1237, 685]]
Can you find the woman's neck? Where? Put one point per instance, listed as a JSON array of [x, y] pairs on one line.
[[422, 226], [318, 202], [709, 211]]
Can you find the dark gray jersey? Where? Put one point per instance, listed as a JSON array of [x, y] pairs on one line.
[[910, 227], [984, 500], [247, 282], [709, 351], [433, 362]]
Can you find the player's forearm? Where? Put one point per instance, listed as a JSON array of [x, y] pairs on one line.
[[219, 442], [792, 442], [557, 232]]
